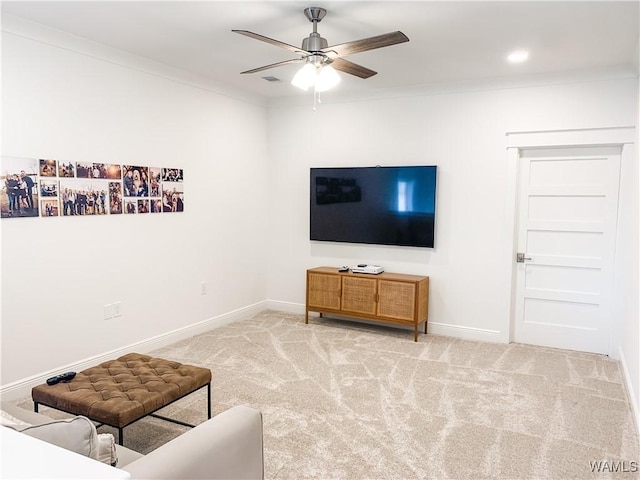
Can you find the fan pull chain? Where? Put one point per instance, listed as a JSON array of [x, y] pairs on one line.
[[316, 96]]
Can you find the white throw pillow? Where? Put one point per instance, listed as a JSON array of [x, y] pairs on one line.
[[77, 434], [107, 449]]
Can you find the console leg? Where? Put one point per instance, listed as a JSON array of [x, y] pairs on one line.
[[415, 333], [306, 317], [425, 327]]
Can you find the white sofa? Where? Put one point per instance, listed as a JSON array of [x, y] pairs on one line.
[[227, 446]]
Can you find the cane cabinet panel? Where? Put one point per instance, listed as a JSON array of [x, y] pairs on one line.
[[358, 295], [323, 291], [397, 299]]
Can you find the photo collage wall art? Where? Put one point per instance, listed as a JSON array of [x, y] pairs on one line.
[[51, 188]]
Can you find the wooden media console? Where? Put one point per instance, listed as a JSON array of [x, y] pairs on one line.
[[387, 297]]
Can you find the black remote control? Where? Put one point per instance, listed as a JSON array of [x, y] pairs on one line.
[[343, 269], [65, 377]]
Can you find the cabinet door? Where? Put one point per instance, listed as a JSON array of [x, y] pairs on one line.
[[396, 299], [323, 291], [359, 295]]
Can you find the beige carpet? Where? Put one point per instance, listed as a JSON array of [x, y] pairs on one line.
[[343, 400]]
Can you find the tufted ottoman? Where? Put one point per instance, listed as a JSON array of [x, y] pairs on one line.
[[120, 392]]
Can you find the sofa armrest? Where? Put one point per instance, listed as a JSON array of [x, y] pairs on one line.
[[227, 446], [27, 416]]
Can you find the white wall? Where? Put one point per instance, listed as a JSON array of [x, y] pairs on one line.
[[626, 303], [464, 134], [57, 273], [627, 308]]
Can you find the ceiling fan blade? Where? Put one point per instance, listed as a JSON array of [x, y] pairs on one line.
[[273, 65], [352, 68], [371, 43], [277, 43]]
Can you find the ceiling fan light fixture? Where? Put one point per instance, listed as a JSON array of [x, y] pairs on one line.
[[305, 77], [518, 56], [320, 77], [327, 78]]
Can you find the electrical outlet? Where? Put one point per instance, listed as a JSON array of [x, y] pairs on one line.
[[203, 288], [108, 311], [117, 309]]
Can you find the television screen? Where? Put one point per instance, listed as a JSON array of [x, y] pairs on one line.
[[376, 205]]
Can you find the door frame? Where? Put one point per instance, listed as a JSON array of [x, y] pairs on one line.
[[623, 137]]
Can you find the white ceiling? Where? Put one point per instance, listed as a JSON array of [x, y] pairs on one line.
[[450, 42]]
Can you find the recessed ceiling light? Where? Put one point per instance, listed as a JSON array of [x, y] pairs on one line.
[[518, 56]]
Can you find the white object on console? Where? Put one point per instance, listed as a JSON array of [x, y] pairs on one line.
[[373, 269]]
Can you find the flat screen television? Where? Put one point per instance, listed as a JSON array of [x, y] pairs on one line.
[[374, 205]]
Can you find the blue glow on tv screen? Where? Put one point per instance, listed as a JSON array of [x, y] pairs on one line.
[[374, 205]]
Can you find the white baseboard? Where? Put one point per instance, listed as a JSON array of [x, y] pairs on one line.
[[22, 388], [287, 307], [436, 328], [466, 333], [631, 393]]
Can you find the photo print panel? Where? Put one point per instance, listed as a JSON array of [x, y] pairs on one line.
[[114, 171], [66, 170], [84, 170], [172, 197], [135, 181], [115, 198], [48, 187], [156, 205], [49, 208], [84, 197], [172, 175], [155, 180], [130, 206], [143, 206], [106, 171], [19, 178], [48, 168]]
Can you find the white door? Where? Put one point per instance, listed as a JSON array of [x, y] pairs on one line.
[[568, 203]]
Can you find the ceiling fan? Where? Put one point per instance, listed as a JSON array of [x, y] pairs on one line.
[[316, 51]]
